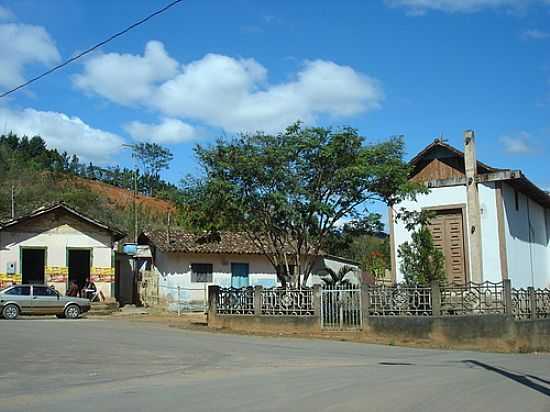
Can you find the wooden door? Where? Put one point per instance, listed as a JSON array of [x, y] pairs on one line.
[[448, 235]]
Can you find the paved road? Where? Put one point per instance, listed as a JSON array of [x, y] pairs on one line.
[[103, 365]]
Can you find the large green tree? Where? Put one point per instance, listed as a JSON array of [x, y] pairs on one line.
[[288, 191]]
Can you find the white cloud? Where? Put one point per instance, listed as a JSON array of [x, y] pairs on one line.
[[127, 78], [63, 132], [6, 14], [20, 45], [233, 94], [167, 131], [535, 34], [419, 7], [519, 144]]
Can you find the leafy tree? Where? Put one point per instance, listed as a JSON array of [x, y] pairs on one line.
[[288, 191], [153, 158], [421, 261]]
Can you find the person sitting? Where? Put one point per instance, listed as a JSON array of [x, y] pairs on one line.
[[73, 289], [89, 290]]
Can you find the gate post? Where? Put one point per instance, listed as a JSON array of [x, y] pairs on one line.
[[316, 303], [258, 289], [532, 303], [508, 305], [213, 292], [436, 298], [365, 305]]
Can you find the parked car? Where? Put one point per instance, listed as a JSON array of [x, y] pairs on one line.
[[39, 300]]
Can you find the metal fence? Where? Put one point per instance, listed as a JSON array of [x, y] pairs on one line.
[[521, 307], [542, 303], [341, 307], [184, 300], [289, 302], [473, 298], [400, 301], [236, 301]]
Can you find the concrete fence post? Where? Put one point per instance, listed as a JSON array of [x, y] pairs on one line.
[[436, 298], [316, 299], [213, 292], [508, 305], [365, 304], [532, 302], [258, 300]]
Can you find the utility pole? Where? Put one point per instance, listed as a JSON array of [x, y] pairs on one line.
[[13, 201], [135, 206]]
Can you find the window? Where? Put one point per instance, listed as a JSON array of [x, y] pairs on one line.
[[201, 272], [516, 198], [19, 291], [43, 291]]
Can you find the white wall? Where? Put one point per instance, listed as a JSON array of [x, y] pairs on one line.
[[438, 197], [56, 236], [489, 233], [174, 270], [528, 263]]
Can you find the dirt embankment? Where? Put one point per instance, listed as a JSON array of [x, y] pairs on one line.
[[124, 198]]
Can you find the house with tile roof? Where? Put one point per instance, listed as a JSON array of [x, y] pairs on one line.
[[491, 224], [56, 244], [193, 261]]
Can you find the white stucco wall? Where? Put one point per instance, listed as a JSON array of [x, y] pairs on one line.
[[439, 197], [527, 243], [174, 270], [451, 196], [489, 233], [56, 236]]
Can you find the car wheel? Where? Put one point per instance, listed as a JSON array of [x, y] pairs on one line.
[[72, 312], [10, 311]]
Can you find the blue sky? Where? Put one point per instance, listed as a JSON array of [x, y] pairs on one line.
[[421, 68]]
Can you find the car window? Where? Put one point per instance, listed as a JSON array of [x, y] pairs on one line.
[[43, 291], [19, 291]]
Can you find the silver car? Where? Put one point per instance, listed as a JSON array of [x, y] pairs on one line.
[[39, 300]]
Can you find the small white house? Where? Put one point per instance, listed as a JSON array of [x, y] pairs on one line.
[[192, 261], [491, 224], [55, 245]]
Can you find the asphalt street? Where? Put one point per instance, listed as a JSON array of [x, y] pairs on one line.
[[118, 365]]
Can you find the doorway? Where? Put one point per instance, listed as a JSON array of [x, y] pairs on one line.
[[33, 263], [79, 261], [239, 275], [447, 229]]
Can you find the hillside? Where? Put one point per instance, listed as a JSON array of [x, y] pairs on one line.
[[124, 198]]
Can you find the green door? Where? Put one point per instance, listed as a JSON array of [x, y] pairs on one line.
[[239, 275]]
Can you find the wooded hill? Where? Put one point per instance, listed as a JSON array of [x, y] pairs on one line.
[[38, 175]]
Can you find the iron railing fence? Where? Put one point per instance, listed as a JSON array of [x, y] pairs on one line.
[[400, 301], [473, 298], [287, 302], [521, 306], [234, 301], [542, 303], [341, 307]]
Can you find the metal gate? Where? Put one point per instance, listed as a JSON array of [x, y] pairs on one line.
[[341, 307]]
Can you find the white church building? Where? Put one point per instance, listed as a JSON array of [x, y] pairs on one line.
[[491, 224]]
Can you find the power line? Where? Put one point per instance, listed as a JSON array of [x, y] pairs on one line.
[[91, 49]]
